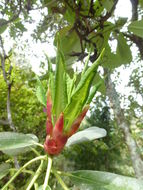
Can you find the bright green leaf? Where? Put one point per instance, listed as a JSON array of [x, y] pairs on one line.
[[41, 92], [60, 97], [80, 95]]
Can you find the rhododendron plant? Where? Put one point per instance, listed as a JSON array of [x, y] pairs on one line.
[[67, 102]]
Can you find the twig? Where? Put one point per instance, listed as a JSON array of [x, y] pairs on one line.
[[60, 181], [22, 168], [47, 172], [36, 175]]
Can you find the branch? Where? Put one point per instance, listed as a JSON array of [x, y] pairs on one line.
[[134, 9], [104, 18]]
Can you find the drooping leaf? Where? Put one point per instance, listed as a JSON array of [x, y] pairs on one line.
[[80, 95], [108, 4], [3, 26], [136, 27], [89, 134], [12, 143], [60, 96], [41, 92], [120, 22], [4, 169], [69, 43], [123, 50], [96, 180]]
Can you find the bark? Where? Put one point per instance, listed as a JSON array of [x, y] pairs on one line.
[[6, 77], [124, 125]]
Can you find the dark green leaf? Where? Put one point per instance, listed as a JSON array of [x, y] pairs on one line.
[[14, 143], [69, 43], [123, 50], [3, 26], [137, 28], [96, 180], [4, 169]]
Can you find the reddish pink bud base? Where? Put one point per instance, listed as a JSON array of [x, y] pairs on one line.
[[56, 139]]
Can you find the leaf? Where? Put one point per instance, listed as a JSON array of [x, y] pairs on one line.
[[108, 4], [141, 3], [70, 86], [89, 134], [4, 26], [80, 95], [96, 180], [111, 60], [60, 96], [69, 43], [120, 22], [123, 50], [99, 83], [136, 27], [4, 169], [12, 143], [41, 92]]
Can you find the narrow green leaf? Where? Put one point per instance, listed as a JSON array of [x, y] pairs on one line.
[[86, 64], [51, 79], [89, 134], [12, 143], [60, 96], [80, 95], [4, 169], [41, 92], [136, 27], [70, 86], [93, 92], [96, 180]]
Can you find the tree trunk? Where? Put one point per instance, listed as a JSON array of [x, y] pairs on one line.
[[124, 125]]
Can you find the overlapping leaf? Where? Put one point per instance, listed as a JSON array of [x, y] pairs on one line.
[[80, 95]]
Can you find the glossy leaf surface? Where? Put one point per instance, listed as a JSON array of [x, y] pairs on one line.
[[89, 134]]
